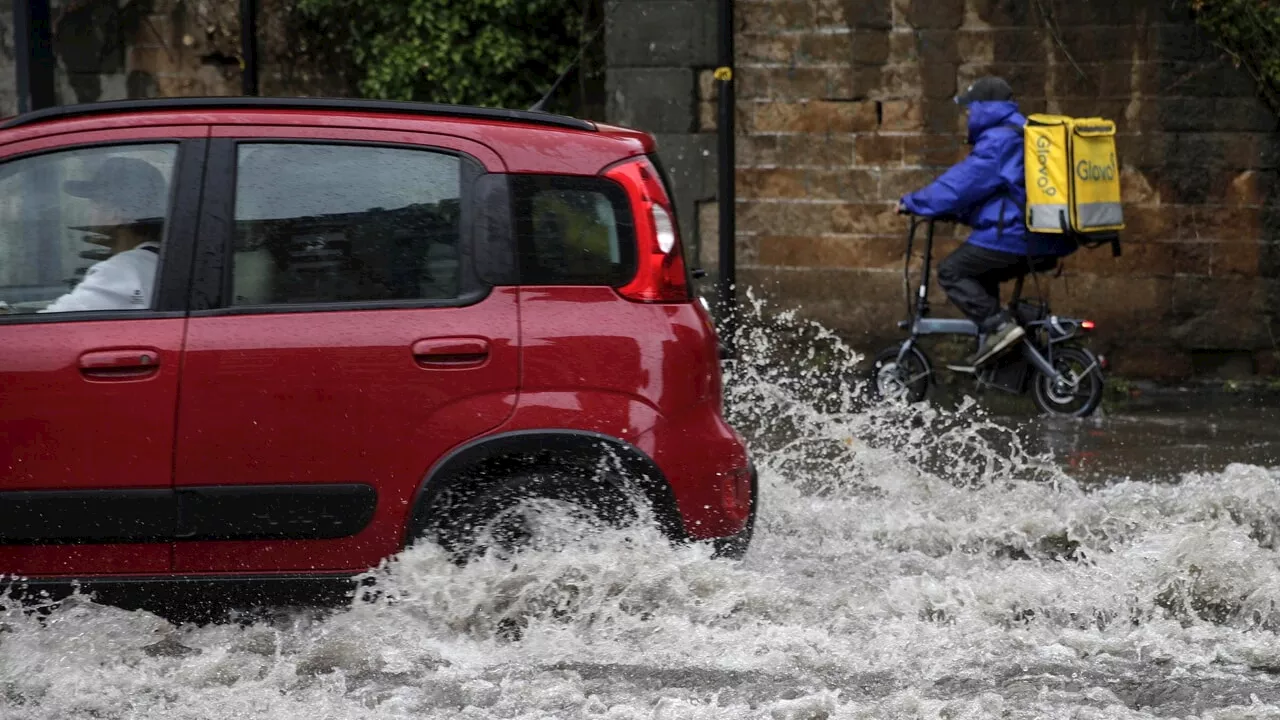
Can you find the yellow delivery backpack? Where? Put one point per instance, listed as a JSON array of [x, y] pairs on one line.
[[1073, 179]]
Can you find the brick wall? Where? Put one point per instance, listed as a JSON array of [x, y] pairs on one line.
[[846, 105]]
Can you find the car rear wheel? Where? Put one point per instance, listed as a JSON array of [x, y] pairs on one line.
[[546, 510]]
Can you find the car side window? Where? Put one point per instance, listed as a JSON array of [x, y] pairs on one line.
[[320, 223], [81, 230], [573, 231]]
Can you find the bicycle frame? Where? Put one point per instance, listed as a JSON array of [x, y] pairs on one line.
[[1056, 330]]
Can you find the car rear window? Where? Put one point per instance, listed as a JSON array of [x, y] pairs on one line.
[[573, 231]]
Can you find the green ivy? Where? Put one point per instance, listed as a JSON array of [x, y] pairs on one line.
[[1249, 31], [495, 53]]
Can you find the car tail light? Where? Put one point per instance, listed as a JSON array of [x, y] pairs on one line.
[[660, 273]]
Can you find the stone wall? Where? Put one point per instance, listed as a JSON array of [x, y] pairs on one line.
[[119, 49], [844, 105], [659, 53], [122, 49]]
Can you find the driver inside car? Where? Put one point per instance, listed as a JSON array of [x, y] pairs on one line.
[[987, 192], [128, 199]]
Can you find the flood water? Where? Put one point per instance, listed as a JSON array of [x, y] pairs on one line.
[[1161, 438], [909, 563]]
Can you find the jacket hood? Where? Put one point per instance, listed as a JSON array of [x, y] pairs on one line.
[[985, 115]]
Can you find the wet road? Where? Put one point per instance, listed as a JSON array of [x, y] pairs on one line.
[[1161, 435]]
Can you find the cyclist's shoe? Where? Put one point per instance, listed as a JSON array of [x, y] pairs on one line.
[[997, 342]]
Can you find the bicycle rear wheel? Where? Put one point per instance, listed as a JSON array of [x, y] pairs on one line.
[[1079, 394]]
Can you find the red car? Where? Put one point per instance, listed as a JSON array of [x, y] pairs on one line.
[[281, 339]]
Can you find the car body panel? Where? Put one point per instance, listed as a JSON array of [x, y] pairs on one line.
[[333, 397], [73, 423]]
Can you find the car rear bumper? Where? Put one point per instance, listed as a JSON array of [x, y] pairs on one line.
[[709, 470]]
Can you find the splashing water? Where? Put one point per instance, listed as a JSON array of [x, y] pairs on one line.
[[909, 562]]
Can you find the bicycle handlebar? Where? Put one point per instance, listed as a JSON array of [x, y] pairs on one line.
[[921, 298], [932, 218]]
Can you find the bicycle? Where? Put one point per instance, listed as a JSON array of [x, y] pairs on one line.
[[1064, 377]]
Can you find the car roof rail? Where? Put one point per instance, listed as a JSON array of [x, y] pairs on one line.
[[403, 107]]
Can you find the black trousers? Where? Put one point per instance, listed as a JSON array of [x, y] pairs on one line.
[[971, 277]]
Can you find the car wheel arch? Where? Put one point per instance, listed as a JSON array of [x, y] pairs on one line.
[[469, 469]]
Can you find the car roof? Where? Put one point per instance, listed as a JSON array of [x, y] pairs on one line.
[[528, 141], [397, 107]]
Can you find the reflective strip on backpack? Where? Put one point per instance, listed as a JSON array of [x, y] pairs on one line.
[[1100, 215], [1046, 218]]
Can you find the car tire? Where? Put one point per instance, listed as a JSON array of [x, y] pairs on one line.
[[503, 516]]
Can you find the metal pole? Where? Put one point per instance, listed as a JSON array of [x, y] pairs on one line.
[[33, 55], [249, 46], [727, 196]]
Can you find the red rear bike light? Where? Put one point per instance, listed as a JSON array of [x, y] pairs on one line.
[[1087, 325], [660, 272]]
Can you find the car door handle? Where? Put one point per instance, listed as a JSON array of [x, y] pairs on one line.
[[123, 364], [451, 353]]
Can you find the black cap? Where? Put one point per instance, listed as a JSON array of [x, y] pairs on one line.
[[986, 89]]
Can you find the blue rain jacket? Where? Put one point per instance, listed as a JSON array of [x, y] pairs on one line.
[[975, 189]]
